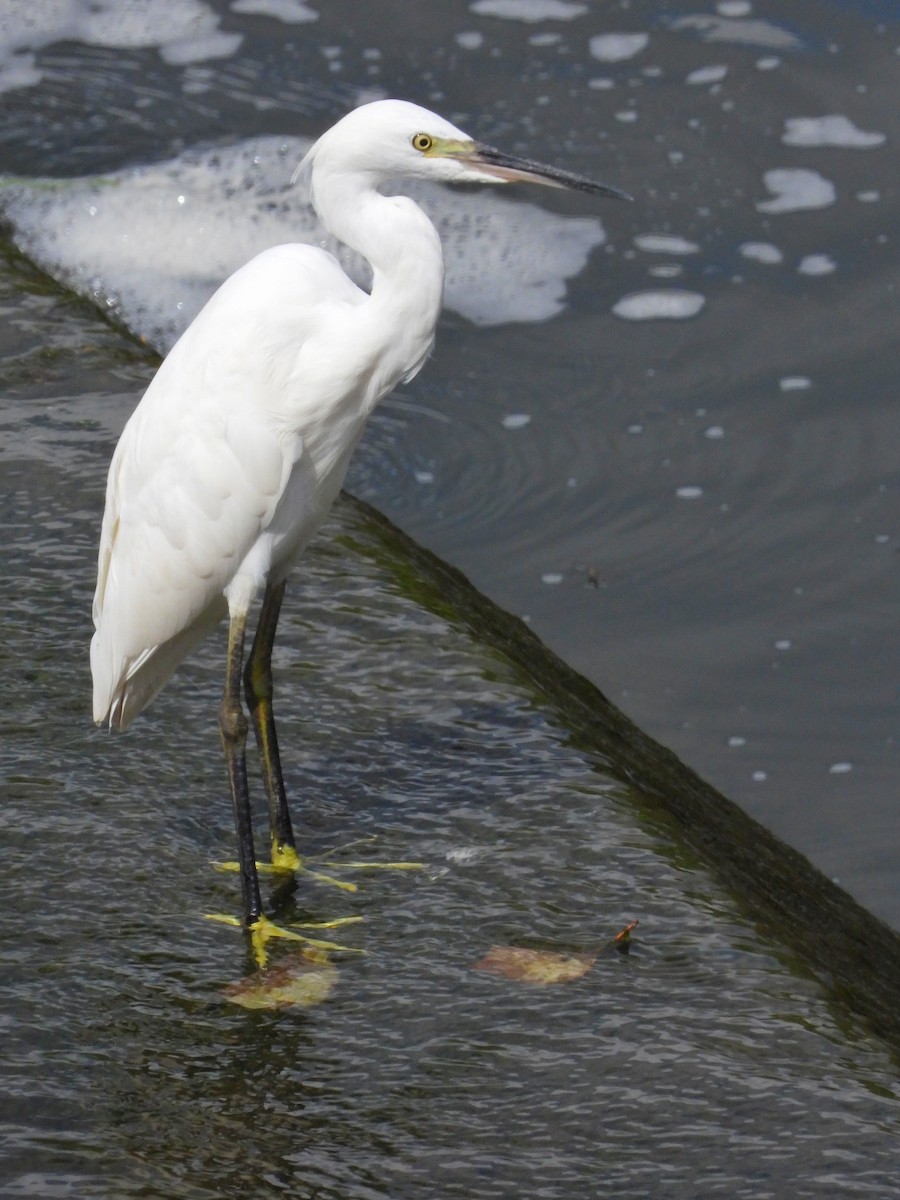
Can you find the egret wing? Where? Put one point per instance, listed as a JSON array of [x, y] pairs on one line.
[[201, 465]]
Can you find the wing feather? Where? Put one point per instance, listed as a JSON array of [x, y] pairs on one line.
[[199, 471]]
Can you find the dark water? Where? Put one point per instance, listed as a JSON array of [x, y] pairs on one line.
[[705, 1063], [699, 514]]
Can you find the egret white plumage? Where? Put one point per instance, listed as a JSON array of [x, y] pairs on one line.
[[239, 446]]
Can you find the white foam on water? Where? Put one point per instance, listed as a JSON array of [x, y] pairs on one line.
[[182, 30], [763, 252], [465, 854], [212, 44], [663, 243], [734, 8], [152, 243], [740, 32], [530, 11], [795, 383], [672, 304], [834, 130], [291, 12], [817, 264], [711, 74], [17, 70], [796, 188], [617, 47]]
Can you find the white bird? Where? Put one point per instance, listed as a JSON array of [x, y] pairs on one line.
[[239, 446]]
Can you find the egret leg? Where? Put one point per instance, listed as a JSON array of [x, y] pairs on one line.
[[258, 689], [233, 728]]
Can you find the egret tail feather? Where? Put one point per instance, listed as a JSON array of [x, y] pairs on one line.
[[123, 689]]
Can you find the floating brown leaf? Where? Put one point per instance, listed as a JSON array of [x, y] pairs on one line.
[[535, 966], [300, 980], [548, 966]]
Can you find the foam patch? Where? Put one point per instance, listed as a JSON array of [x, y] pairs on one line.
[[153, 242]]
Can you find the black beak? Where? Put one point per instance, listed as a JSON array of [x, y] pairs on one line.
[[509, 168]]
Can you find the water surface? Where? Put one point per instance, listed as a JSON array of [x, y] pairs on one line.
[[698, 512], [695, 512], [705, 1062]]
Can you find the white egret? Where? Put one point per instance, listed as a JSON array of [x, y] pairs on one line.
[[239, 447]]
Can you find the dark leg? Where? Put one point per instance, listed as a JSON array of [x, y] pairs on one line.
[[258, 690], [233, 727]]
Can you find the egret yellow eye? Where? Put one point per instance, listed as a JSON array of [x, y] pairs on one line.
[[422, 142]]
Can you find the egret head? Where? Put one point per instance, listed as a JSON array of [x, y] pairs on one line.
[[395, 139]]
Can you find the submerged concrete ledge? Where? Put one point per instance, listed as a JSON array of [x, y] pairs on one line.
[[829, 937], [851, 953]]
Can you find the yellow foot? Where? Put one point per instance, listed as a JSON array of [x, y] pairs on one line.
[[279, 868], [342, 864], [262, 931], [286, 858]]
